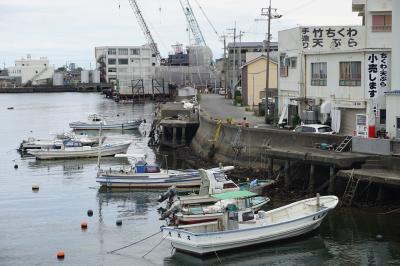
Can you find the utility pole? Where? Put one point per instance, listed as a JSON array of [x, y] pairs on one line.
[[225, 66], [240, 53], [234, 59], [234, 69], [267, 12]]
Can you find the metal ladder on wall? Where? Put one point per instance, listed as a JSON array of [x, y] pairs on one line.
[[237, 145], [344, 144], [350, 191]]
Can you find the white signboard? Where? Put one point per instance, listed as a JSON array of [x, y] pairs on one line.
[[377, 74], [332, 38], [361, 126]]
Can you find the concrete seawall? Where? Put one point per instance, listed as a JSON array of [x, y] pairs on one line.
[[253, 141]]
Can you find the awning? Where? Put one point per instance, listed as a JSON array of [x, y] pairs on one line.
[[234, 195]]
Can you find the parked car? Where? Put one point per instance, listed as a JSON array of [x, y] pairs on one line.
[[221, 91], [314, 128]]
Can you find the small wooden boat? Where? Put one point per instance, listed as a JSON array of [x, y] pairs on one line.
[[240, 228], [95, 122], [74, 149]]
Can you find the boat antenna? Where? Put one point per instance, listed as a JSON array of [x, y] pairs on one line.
[[100, 145]]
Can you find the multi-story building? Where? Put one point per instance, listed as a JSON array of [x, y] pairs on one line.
[[339, 74], [34, 71], [124, 65], [237, 57]]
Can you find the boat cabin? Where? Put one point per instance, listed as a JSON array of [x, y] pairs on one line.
[[142, 167], [72, 143]]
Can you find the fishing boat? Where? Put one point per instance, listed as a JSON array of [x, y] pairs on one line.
[[240, 228], [216, 193], [143, 175], [75, 149], [95, 122], [56, 142]]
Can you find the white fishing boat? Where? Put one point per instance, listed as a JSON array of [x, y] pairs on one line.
[[216, 193], [143, 175], [56, 142], [75, 149], [240, 228], [95, 122], [198, 210]]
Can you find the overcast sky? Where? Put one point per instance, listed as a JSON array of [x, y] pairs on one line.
[[68, 30]]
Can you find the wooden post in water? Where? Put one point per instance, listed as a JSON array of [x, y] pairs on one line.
[[332, 176], [100, 145], [287, 178], [174, 135], [311, 181], [270, 167]]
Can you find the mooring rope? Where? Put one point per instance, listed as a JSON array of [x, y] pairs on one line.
[[134, 243], [162, 239]]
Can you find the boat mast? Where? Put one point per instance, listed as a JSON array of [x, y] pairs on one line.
[[100, 145]]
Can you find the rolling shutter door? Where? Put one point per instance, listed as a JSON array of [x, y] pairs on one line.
[[348, 120]]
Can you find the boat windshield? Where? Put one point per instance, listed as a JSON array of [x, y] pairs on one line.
[[220, 177]]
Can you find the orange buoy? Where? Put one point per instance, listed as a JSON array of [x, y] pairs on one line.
[[60, 255], [84, 225]]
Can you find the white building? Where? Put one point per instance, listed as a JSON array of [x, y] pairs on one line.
[[36, 71], [339, 74], [124, 65]]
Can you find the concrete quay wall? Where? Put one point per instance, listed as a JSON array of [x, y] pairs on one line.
[[252, 140]]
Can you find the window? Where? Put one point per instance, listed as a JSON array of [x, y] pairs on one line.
[[350, 74], [381, 23], [283, 66], [112, 61], [112, 51], [382, 116], [308, 129], [122, 61], [122, 51], [135, 51], [283, 71], [293, 62], [112, 69], [318, 74], [324, 129]]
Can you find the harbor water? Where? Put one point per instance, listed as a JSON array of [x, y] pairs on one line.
[[34, 226]]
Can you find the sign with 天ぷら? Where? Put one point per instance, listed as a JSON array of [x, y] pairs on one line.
[[377, 72], [332, 38]]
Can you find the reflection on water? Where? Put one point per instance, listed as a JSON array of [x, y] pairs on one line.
[[306, 250], [130, 204], [33, 226]]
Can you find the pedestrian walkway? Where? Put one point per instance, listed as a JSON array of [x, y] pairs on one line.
[[218, 107]]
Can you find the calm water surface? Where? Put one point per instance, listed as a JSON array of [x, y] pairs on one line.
[[34, 226]]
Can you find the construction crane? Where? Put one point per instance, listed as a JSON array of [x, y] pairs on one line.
[[145, 29], [192, 21]]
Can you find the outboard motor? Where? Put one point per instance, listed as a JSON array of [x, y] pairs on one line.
[[169, 194], [175, 207]]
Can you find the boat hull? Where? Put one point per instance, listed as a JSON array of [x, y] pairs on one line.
[[69, 154], [88, 126], [147, 183], [248, 234]]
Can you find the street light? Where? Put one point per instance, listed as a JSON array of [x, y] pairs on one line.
[[268, 12]]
